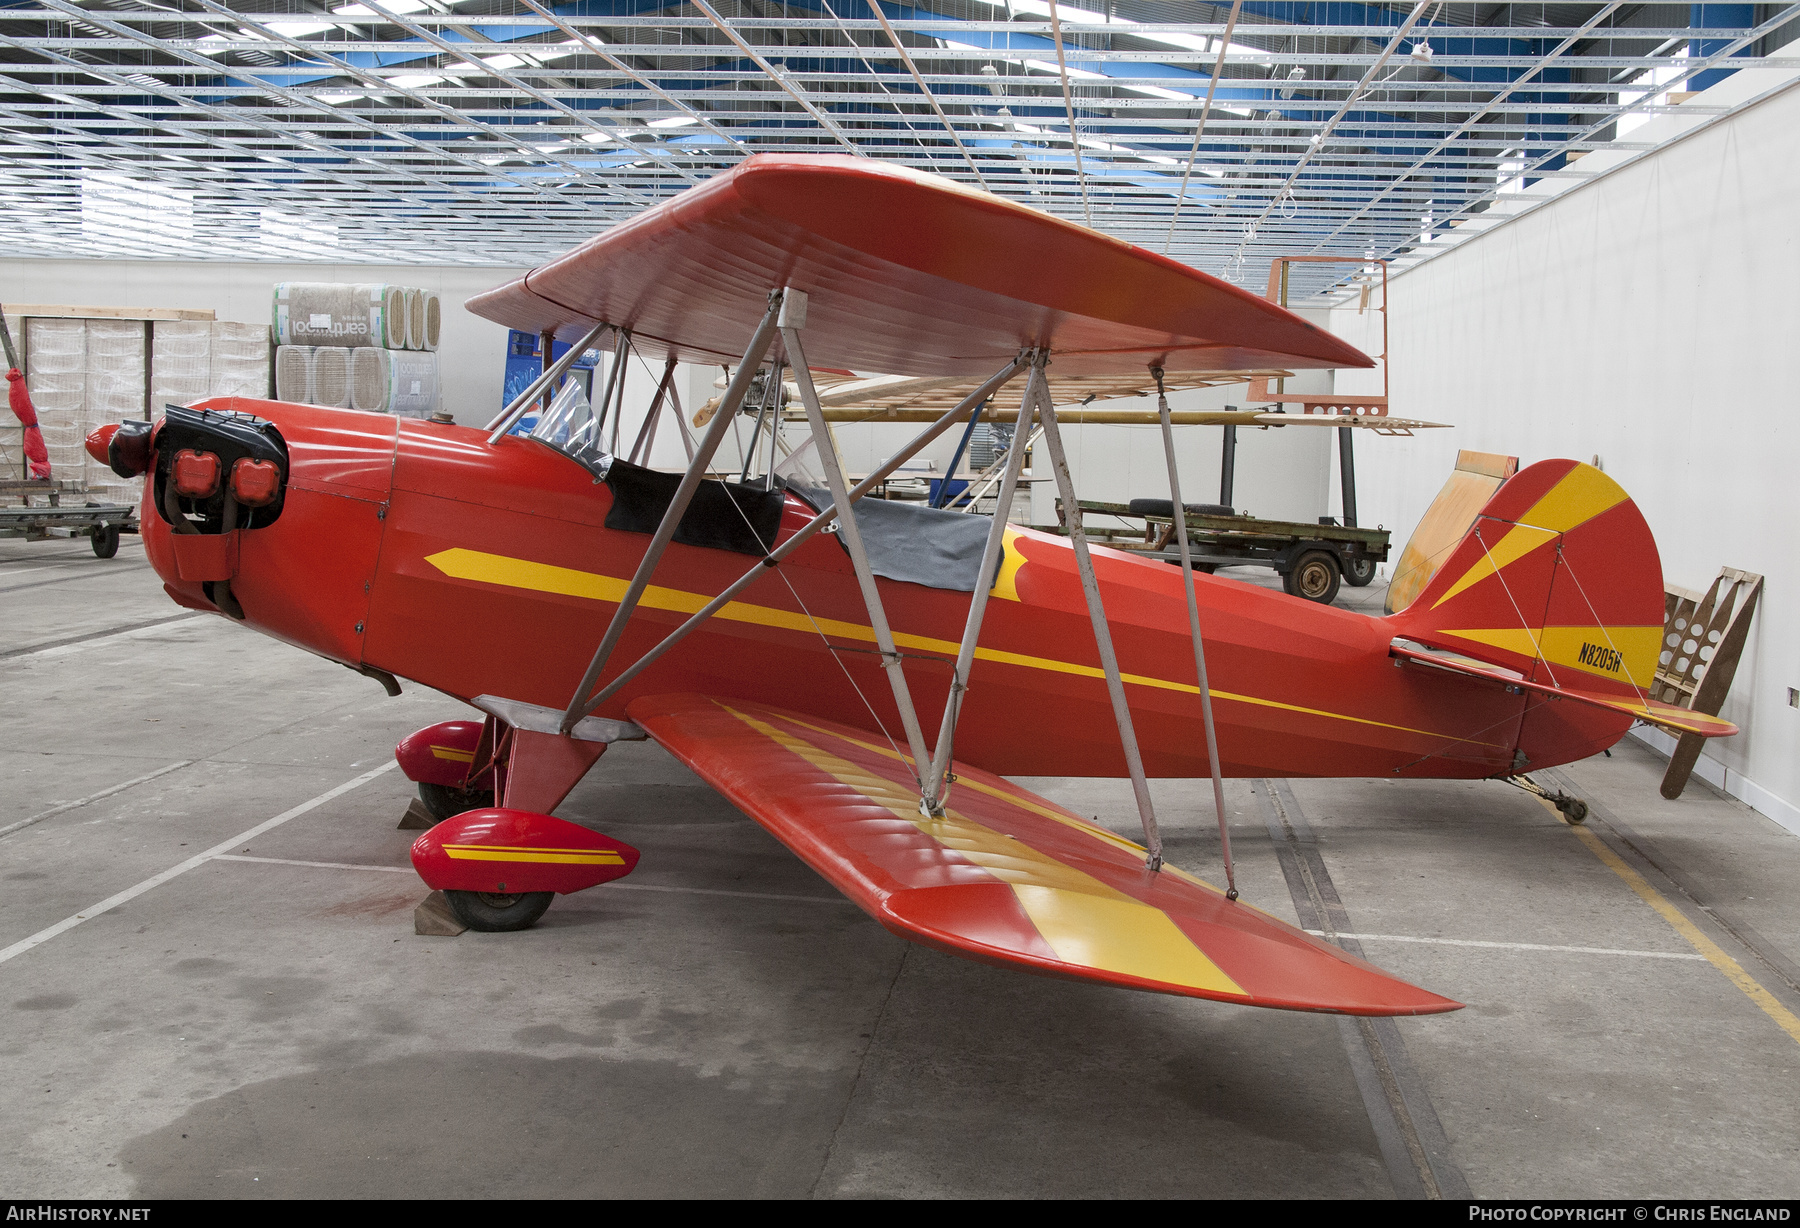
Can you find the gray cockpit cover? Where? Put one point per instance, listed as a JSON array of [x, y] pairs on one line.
[[915, 543]]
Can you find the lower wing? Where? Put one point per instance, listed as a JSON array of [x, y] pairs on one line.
[[1005, 876]]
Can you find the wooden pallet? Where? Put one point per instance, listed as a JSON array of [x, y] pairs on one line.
[[1703, 638]]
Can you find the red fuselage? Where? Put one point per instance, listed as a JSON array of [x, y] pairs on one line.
[[418, 549]]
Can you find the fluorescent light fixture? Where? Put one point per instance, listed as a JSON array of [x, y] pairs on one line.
[[674, 121], [413, 81], [1081, 16], [498, 63], [337, 99], [392, 6], [1079, 74], [299, 29]]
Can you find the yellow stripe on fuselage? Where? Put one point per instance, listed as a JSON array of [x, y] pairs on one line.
[[461, 564], [452, 754]]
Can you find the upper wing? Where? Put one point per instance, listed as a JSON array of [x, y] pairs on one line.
[[1676, 720], [906, 272], [1006, 876]]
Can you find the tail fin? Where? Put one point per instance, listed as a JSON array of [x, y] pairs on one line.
[[1558, 579]]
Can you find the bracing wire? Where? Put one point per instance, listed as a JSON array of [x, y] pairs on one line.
[[1537, 642], [1600, 623]]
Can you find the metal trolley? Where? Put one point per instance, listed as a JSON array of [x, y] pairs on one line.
[[101, 523], [1312, 559]]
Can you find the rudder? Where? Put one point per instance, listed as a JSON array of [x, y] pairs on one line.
[[1559, 579]]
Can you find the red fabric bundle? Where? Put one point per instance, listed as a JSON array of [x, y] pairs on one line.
[[19, 397]]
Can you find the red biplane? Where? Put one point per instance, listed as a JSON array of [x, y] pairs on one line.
[[787, 652]]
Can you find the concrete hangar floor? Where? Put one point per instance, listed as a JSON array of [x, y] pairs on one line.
[[266, 1023]]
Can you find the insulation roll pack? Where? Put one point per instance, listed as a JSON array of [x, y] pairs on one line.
[[331, 376], [415, 319], [294, 373], [396, 318], [241, 360], [115, 371], [322, 313], [401, 382], [180, 362], [56, 347], [433, 312]]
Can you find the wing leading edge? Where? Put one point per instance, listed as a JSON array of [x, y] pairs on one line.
[[908, 273], [1006, 877]]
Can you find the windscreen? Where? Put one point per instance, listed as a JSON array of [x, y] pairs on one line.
[[570, 426]]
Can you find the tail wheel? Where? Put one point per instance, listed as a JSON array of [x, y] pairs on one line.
[[446, 802], [1573, 809], [1314, 577], [1359, 571], [494, 913]]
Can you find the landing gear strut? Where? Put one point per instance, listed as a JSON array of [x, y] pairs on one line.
[[1572, 808], [448, 801]]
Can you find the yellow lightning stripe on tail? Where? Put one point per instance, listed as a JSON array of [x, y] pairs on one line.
[[1582, 494], [1083, 920], [451, 753], [1563, 646]]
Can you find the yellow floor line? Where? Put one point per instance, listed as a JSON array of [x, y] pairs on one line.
[[1734, 971]]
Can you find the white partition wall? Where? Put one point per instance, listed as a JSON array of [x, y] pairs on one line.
[[1650, 319], [472, 351]]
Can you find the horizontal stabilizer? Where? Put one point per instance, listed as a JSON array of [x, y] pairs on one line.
[[1676, 720], [1005, 876]]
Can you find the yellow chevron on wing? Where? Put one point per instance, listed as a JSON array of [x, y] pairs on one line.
[[1582, 494], [1082, 919]]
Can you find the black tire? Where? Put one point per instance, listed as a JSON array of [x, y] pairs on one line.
[[105, 541], [446, 802], [1163, 507], [492, 913], [1359, 571], [1314, 577]]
